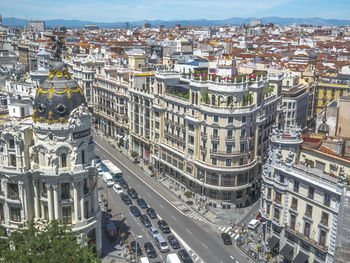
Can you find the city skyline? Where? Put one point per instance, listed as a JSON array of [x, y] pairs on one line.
[[136, 10]]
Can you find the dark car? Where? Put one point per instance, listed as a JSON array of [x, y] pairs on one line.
[[226, 238], [124, 184], [126, 199], [142, 203], [135, 211], [144, 220], [149, 249], [138, 250], [133, 194], [184, 256], [173, 242], [151, 213], [163, 226]]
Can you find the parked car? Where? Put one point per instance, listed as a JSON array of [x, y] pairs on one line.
[[124, 184], [133, 194], [150, 250], [184, 256], [142, 203], [145, 220], [135, 211], [153, 231], [226, 238], [161, 243], [126, 199], [151, 213], [164, 226], [253, 224], [117, 189], [138, 250], [173, 242], [260, 218]]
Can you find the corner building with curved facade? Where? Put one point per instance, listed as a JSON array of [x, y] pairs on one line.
[[47, 162], [208, 136]]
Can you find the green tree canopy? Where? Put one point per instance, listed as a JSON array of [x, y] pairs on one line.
[[52, 242]]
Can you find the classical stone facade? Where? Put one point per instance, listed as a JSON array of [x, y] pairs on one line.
[[47, 168], [300, 203]]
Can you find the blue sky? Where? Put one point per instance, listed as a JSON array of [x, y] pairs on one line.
[[134, 10]]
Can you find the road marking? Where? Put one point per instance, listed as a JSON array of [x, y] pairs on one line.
[[184, 244], [237, 261], [161, 206], [173, 217], [149, 195], [189, 231], [205, 245], [127, 168], [232, 257]]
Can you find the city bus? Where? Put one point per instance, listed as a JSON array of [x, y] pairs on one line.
[[108, 166]]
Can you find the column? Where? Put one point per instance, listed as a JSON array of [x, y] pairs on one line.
[[55, 201], [49, 201], [82, 206], [99, 239], [76, 206], [95, 200], [36, 200]]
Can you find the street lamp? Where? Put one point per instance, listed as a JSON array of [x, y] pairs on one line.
[[202, 191], [136, 237]]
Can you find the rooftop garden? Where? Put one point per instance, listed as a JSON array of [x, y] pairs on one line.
[[178, 91], [204, 76]]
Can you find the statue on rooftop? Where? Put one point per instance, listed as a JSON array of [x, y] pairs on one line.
[[57, 46]]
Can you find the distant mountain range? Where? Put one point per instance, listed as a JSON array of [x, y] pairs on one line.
[[18, 22]]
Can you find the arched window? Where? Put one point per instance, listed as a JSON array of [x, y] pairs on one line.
[[63, 160], [213, 99], [229, 100]]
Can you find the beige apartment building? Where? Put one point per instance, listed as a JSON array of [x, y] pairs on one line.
[[300, 201], [210, 136], [110, 99]]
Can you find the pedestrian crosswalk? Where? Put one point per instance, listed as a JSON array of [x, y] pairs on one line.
[[196, 216], [188, 212], [180, 205], [233, 232]]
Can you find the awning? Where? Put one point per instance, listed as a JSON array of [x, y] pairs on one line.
[[287, 251], [301, 258], [273, 242]]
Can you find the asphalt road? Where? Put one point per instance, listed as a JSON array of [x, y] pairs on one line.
[[201, 240]]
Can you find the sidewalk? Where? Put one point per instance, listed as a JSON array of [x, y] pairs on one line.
[[215, 216]]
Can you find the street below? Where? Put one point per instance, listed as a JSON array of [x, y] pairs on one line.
[[201, 239]]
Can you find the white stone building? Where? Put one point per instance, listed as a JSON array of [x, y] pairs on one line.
[[47, 162]]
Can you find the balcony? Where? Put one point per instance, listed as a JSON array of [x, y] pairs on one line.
[[307, 239], [175, 137], [13, 197], [214, 138], [230, 138]]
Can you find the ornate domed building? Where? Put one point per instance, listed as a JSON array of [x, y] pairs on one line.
[[47, 163]]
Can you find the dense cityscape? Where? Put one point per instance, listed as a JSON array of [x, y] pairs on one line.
[[176, 144]]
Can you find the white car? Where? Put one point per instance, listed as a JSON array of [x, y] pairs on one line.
[[153, 231], [253, 224], [118, 189]]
